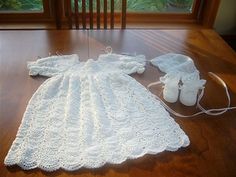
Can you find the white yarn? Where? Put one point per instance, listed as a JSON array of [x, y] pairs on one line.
[[173, 62], [177, 64], [212, 112], [91, 113], [179, 67]]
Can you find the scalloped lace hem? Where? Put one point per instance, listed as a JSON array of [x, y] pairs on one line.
[[185, 143]]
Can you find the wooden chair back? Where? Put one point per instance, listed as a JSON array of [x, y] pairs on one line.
[[80, 18]]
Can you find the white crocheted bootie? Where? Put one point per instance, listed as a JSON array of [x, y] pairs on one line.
[[190, 88], [171, 87]]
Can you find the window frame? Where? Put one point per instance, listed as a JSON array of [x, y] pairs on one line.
[[29, 16], [203, 14], [152, 17]]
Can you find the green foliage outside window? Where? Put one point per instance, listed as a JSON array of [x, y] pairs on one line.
[[181, 3], [21, 5], [159, 5], [147, 5], [132, 5]]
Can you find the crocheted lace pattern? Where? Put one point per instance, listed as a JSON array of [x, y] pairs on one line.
[[91, 113]]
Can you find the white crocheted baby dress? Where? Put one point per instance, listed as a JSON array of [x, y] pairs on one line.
[[91, 113]]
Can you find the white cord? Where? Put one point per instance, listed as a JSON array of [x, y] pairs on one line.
[[213, 111], [107, 50]]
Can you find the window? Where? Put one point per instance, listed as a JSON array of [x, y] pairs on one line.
[[24, 10], [156, 6], [16, 6], [160, 6], [138, 11], [153, 11]]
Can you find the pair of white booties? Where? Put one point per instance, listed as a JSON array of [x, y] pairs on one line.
[[184, 86]]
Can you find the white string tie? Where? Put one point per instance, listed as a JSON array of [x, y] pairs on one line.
[[212, 112]]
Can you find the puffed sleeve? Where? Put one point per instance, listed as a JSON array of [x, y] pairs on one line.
[[53, 65], [132, 64], [125, 63]]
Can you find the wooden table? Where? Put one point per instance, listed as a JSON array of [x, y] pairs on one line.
[[212, 151]]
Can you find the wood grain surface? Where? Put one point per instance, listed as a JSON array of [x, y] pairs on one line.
[[212, 152]]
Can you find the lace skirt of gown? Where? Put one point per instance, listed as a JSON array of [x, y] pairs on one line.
[[77, 121]]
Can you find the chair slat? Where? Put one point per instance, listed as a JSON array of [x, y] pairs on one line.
[[69, 13], [105, 14], [123, 16], [76, 14], [81, 22], [112, 15], [84, 14], [98, 14], [91, 13], [58, 12]]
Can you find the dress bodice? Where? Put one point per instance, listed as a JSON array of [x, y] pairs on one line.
[[70, 64]]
